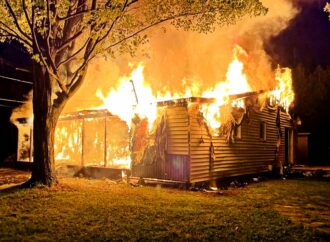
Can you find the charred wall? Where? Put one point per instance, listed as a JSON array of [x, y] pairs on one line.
[[193, 154]]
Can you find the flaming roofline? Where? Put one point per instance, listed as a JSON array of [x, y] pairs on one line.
[[89, 113], [184, 101]]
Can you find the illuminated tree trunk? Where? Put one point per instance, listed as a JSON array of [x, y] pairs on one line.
[[47, 107], [44, 124]]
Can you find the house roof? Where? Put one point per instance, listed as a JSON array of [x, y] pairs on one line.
[[184, 101]]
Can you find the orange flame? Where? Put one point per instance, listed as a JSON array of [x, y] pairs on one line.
[[127, 100], [121, 101], [236, 83], [283, 93]]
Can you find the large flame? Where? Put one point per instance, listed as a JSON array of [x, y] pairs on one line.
[[134, 96], [122, 101], [236, 83], [283, 93]]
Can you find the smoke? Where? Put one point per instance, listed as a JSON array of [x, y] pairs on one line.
[[23, 111], [176, 59]]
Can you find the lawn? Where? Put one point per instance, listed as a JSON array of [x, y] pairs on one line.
[[99, 210]]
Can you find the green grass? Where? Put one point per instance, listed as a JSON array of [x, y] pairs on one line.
[[98, 210]]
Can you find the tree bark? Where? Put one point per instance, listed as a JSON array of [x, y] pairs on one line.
[[47, 107], [44, 124]]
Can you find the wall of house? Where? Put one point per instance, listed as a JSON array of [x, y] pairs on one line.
[[247, 155], [194, 154], [175, 166]]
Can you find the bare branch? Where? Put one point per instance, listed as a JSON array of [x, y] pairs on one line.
[[79, 79]]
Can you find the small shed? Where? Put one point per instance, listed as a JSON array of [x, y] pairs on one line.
[[182, 147]]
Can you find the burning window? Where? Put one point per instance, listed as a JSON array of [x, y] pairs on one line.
[[262, 130]]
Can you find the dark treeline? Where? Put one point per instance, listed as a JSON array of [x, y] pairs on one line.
[[304, 46], [312, 105]]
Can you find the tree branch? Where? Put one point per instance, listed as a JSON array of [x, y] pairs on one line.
[[48, 51], [73, 55], [6, 29], [68, 41], [26, 15], [71, 10], [152, 25], [79, 81], [16, 21], [99, 40], [36, 43], [77, 14]]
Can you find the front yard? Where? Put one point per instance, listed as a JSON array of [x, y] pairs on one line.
[[99, 210]]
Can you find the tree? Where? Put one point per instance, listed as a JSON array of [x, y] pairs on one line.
[[63, 36]]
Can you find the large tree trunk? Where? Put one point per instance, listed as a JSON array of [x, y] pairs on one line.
[[44, 124], [47, 107]]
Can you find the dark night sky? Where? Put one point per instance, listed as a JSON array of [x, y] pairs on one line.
[[305, 45], [305, 42]]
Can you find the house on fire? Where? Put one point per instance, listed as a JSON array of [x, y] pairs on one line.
[[255, 139], [181, 147]]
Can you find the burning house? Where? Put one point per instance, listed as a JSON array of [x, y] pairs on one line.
[[195, 136], [184, 148]]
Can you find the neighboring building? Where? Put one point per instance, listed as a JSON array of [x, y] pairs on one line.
[[302, 148], [15, 84]]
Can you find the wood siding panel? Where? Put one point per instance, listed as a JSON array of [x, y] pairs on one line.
[[248, 155], [177, 131], [188, 159]]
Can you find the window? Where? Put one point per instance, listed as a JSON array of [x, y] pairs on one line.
[[262, 131], [238, 132]]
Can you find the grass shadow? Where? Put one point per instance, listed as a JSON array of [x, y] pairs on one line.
[[10, 188]]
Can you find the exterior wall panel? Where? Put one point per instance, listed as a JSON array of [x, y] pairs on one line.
[[247, 155], [189, 157]]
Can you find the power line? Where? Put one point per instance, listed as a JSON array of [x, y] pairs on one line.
[[10, 100], [22, 69], [14, 79], [6, 106]]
